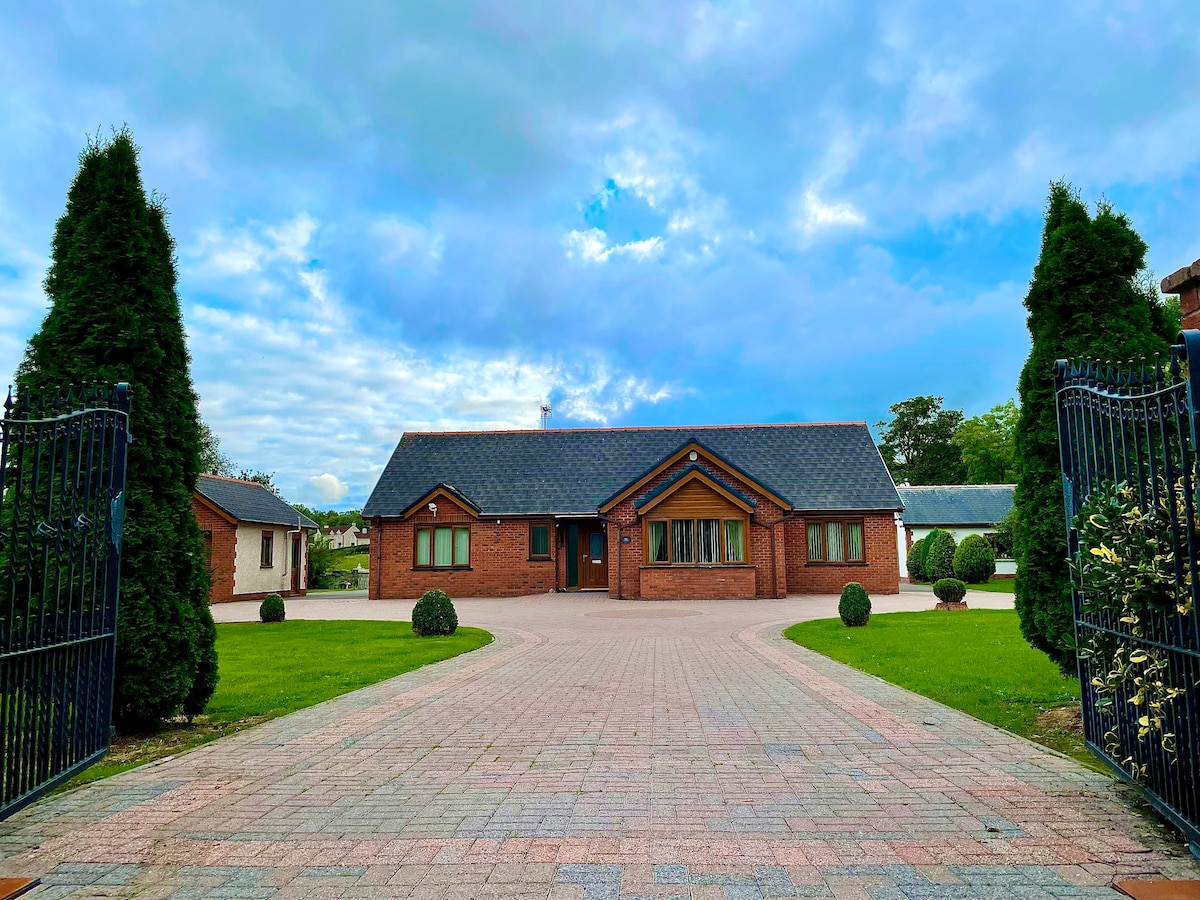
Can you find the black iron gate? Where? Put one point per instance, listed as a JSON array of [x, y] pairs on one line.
[[62, 481], [1128, 442]]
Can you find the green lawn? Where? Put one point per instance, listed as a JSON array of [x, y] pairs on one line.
[[271, 670], [996, 585], [346, 561], [974, 660]]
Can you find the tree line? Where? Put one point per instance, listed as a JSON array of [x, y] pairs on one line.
[[923, 443]]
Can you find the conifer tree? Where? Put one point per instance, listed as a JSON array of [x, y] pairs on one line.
[[115, 316], [1084, 301]]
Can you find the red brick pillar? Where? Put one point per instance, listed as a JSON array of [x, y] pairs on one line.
[[1186, 283]]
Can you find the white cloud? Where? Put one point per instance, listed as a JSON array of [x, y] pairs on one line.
[[290, 396], [329, 487], [818, 215], [592, 246]]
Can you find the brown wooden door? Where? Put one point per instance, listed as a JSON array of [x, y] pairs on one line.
[[593, 557]]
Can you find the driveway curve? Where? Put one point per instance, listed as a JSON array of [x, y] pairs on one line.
[[600, 750]]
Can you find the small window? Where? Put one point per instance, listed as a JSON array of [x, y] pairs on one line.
[[683, 541], [708, 540], [442, 548], [836, 541], [268, 550], [734, 541], [658, 542], [539, 542]]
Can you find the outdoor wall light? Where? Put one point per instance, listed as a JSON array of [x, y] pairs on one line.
[[433, 508]]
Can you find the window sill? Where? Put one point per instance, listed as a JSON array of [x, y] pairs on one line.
[[265, 566], [540, 559], [441, 568], [697, 566], [861, 562]]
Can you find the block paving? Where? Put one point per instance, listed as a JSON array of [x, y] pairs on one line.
[[604, 750]]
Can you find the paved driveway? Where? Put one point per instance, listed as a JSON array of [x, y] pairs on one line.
[[603, 750]]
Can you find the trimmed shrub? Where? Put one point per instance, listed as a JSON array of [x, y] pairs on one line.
[[974, 560], [272, 609], [434, 615], [950, 590], [916, 571], [855, 605], [939, 556]]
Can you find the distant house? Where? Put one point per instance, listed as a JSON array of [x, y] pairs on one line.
[[961, 509], [256, 543], [347, 536], [709, 512]]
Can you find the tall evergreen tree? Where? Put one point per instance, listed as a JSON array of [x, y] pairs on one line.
[[1084, 301], [115, 316]]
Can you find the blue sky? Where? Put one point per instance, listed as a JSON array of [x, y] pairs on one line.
[[397, 216]]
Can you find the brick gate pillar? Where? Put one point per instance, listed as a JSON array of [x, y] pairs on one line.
[[1186, 283]]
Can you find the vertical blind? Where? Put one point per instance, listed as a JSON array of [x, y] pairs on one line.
[[709, 543], [683, 540]]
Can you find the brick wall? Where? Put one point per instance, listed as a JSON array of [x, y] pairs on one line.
[[710, 583], [222, 546], [500, 563], [880, 574]]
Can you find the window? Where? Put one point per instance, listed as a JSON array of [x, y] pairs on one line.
[[443, 548], [539, 541], [836, 541], [267, 559], [692, 542], [735, 530], [658, 543]]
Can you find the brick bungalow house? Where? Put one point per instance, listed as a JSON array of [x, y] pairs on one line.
[[256, 543], [642, 513]]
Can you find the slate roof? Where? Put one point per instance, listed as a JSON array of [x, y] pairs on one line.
[[249, 501], [823, 467], [956, 504]]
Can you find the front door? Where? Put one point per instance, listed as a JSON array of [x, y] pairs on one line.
[[296, 581], [593, 557]]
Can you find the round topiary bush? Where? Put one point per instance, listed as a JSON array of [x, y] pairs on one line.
[[939, 556], [950, 590], [434, 614], [272, 609], [913, 561], [974, 560], [855, 605]]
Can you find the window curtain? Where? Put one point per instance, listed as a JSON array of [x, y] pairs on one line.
[[683, 541], [734, 541], [855, 540], [658, 542], [834, 547], [540, 542], [709, 543], [441, 546], [462, 546], [422, 546], [814, 541]]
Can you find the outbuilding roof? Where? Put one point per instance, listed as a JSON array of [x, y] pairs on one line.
[[249, 501], [818, 467], [956, 504]]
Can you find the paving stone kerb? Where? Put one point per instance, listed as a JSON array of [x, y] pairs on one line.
[[600, 749]]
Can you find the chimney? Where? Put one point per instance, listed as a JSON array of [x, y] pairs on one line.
[[1186, 283]]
